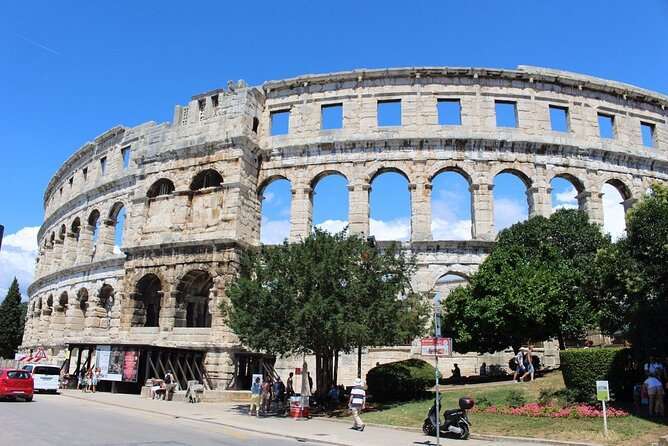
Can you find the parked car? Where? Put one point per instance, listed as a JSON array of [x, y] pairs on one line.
[[45, 377], [16, 383]]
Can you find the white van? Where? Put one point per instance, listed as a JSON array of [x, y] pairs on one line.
[[46, 378]]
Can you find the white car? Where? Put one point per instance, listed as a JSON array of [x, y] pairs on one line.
[[46, 378]]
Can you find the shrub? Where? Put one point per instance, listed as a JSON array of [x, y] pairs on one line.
[[400, 381], [515, 398], [581, 369], [561, 397], [483, 403]]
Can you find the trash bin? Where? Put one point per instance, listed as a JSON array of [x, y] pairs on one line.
[[297, 410]]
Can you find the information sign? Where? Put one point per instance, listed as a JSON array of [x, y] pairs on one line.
[[436, 346], [602, 391]]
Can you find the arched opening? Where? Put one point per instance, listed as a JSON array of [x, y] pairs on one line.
[[49, 303], [511, 203], [448, 282], [330, 202], [82, 298], [450, 207], [206, 178], [147, 302], [193, 300], [161, 187], [256, 124], [75, 228], [117, 220], [615, 193], [106, 298], [63, 301], [565, 191], [276, 201], [62, 232], [390, 206], [94, 223], [39, 305]]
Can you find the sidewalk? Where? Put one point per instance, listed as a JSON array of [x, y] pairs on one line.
[[316, 430]]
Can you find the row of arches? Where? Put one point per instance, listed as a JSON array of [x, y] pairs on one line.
[[393, 205], [203, 180]]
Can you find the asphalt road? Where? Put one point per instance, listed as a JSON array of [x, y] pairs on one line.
[[53, 420]]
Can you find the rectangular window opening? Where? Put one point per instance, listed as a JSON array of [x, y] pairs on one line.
[[331, 116], [85, 173], [559, 118], [71, 182], [389, 113], [280, 122], [647, 131], [506, 113], [126, 153], [449, 112], [606, 126], [103, 165]]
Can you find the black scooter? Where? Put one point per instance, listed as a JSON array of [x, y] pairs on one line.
[[456, 421]]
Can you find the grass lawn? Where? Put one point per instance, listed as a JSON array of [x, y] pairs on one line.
[[631, 430]]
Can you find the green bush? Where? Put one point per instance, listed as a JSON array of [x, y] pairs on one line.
[[581, 369], [515, 398], [400, 381], [483, 402]]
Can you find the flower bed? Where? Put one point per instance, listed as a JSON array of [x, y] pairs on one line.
[[543, 410]]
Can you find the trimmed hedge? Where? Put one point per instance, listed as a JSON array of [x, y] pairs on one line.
[[400, 381], [581, 369]]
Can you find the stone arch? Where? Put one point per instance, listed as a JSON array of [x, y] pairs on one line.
[[63, 301], [377, 171], [115, 210], [450, 168], [75, 228], [270, 179], [525, 177], [94, 218], [275, 217], [325, 173], [511, 197], [82, 299], [106, 298], [451, 204], [49, 303], [39, 305], [193, 306], [390, 222], [572, 178], [621, 186], [147, 301], [62, 232], [161, 187], [205, 179], [450, 280], [558, 200], [118, 221]]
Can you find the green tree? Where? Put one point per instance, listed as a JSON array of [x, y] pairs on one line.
[[632, 277], [12, 319], [533, 285], [324, 295]]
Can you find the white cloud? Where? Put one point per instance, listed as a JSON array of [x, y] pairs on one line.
[[397, 229], [268, 196], [613, 212], [273, 232], [17, 259], [508, 212], [333, 226], [443, 229]]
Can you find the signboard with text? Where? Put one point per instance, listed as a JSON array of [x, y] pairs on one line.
[[436, 346], [116, 363]]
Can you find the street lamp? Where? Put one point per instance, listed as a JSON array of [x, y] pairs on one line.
[[2, 231]]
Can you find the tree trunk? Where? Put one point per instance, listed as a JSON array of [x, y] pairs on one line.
[[324, 372], [562, 343], [359, 361], [336, 367]]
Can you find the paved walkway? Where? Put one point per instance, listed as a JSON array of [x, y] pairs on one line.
[[314, 430]]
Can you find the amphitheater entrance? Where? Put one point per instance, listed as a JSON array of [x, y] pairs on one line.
[[147, 297], [246, 365], [192, 300]]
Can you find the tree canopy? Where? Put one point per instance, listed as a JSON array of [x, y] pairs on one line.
[[323, 295], [12, 319], [632, 277], [533, 286]]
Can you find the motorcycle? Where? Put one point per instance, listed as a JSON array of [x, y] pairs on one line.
[[456, 421]]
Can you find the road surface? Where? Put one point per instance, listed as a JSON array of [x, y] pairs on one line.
[[54, 420]]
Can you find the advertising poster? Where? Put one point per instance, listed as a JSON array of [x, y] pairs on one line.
[[115, 371], [102, 353], [130, 362]]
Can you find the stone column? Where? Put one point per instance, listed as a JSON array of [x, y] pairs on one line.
[[629, 203], [84, 252], [358, 208], [482, 211], [167, 310], [104, 247], [301, 215], [540, 201], [70, 249], [592, 204], [420, 211], [56, 255]]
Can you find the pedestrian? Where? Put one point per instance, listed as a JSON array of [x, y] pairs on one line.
[[356, 404], [654, 367], [266, 395], [528, 364], [456, 374], [170, 385], [519, 364], [81, 384], [290, 388], [89, 380], [278, 393], [655, 393], [483, 369], [96, 378], [255, 397]]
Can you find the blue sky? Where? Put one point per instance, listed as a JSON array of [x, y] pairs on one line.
[[71, 70]]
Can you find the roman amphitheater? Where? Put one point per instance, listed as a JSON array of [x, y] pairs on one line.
[[191, 193]]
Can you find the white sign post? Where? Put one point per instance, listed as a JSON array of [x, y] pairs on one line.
[[603, 395]]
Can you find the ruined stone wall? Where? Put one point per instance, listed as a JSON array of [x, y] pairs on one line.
[[182, 231]]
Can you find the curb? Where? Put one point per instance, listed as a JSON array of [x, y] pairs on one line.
[[240, 428]]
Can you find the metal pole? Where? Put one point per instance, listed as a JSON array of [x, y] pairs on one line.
[[438, 413], [2, 231], [605, 420]]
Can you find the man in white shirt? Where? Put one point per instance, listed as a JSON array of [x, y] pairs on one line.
[[356, 404], [654, 389]]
